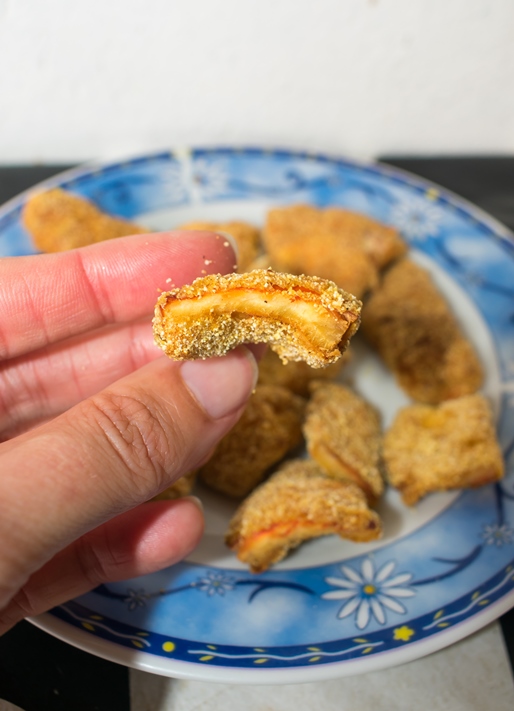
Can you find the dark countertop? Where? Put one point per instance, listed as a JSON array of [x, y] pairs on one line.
[[39, 672]]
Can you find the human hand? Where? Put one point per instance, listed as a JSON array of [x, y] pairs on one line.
[[94, 420]]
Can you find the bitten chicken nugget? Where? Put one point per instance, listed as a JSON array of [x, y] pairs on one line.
[[413, 329], [58, 220], [343, 435], [247, 237], [448, 446], [336, 244], [297, 503], [182, 487], [302, 318], [296, 375], [268, 429]]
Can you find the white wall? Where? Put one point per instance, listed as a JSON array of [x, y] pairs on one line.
[[83, 79]]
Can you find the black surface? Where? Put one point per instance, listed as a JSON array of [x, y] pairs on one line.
[[39, 672]]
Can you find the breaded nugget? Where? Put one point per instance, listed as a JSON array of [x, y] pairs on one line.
[[269, 428], [182, 487], [297, 503], [296, 375], [413, 329], [343, 435], [247, 237], [448, 446], [302, 318], [58, 220], [336, 244]]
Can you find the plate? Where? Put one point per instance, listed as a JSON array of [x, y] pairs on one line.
[[443, 569]]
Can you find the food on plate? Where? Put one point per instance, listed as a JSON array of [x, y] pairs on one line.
[[58, 220], [302, 318], [296, 375], [413, 329], [343, 246], [447, 446], [343, 435], [268, 429], [182, 487], [247, 237], [297, 503]]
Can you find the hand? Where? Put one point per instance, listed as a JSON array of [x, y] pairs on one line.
[[94, 420]]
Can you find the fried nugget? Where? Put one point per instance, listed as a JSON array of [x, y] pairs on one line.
[[58, 220], [413, 329], [302, 318], [448, 446], [343, 434], [268, 429], [297, 503], [182, 487], [296, 375], [336, 244], [247, 237]]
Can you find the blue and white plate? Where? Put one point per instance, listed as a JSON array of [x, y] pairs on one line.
[[443, 569]]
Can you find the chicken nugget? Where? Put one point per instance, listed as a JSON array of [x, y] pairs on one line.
[[413, 329], [297, 503], [247, 237], [343, 434], [448, 446], [58, 220], [268, 429], [296, 375], [302, 318]]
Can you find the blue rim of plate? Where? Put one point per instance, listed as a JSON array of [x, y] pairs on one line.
[[367, 611]]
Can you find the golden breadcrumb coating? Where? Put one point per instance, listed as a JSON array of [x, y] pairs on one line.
[[269, 428], [336, 244], [247, 237], [58, 220], [296, 375], [181, 487], [448, 446], [297, 503], [302, 318], [343, 434], [413, 329]]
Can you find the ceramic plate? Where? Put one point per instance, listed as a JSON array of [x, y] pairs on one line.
[[442, 570]]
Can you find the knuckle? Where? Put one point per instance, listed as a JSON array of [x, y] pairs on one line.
[[96, 559], [143, 437]]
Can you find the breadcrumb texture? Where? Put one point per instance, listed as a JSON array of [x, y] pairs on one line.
[[182, 487], [58, 220], [297, 503], [301, 317], [247, 237], [343, 434], [413, 329], [296, 375], [268, 429], [448, 446], [343, 246]]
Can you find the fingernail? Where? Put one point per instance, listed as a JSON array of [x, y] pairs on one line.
[[194, 499], [228, 237], [221, 385]]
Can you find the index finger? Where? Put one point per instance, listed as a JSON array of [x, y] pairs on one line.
[[49, 297]]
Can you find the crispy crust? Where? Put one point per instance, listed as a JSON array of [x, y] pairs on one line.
[[297, 503], [302, 318], [413, 329], [296, 375], [269, 428], [247, 237], [449, 446], [58, 220], [343, 434]]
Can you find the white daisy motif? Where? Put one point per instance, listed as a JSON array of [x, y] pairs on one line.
[[417, 217], [215, 584], [369, 593], [172, 182], [210, 177], [495, 535]]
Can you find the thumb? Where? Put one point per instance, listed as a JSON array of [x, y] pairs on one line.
[[112, 452]]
